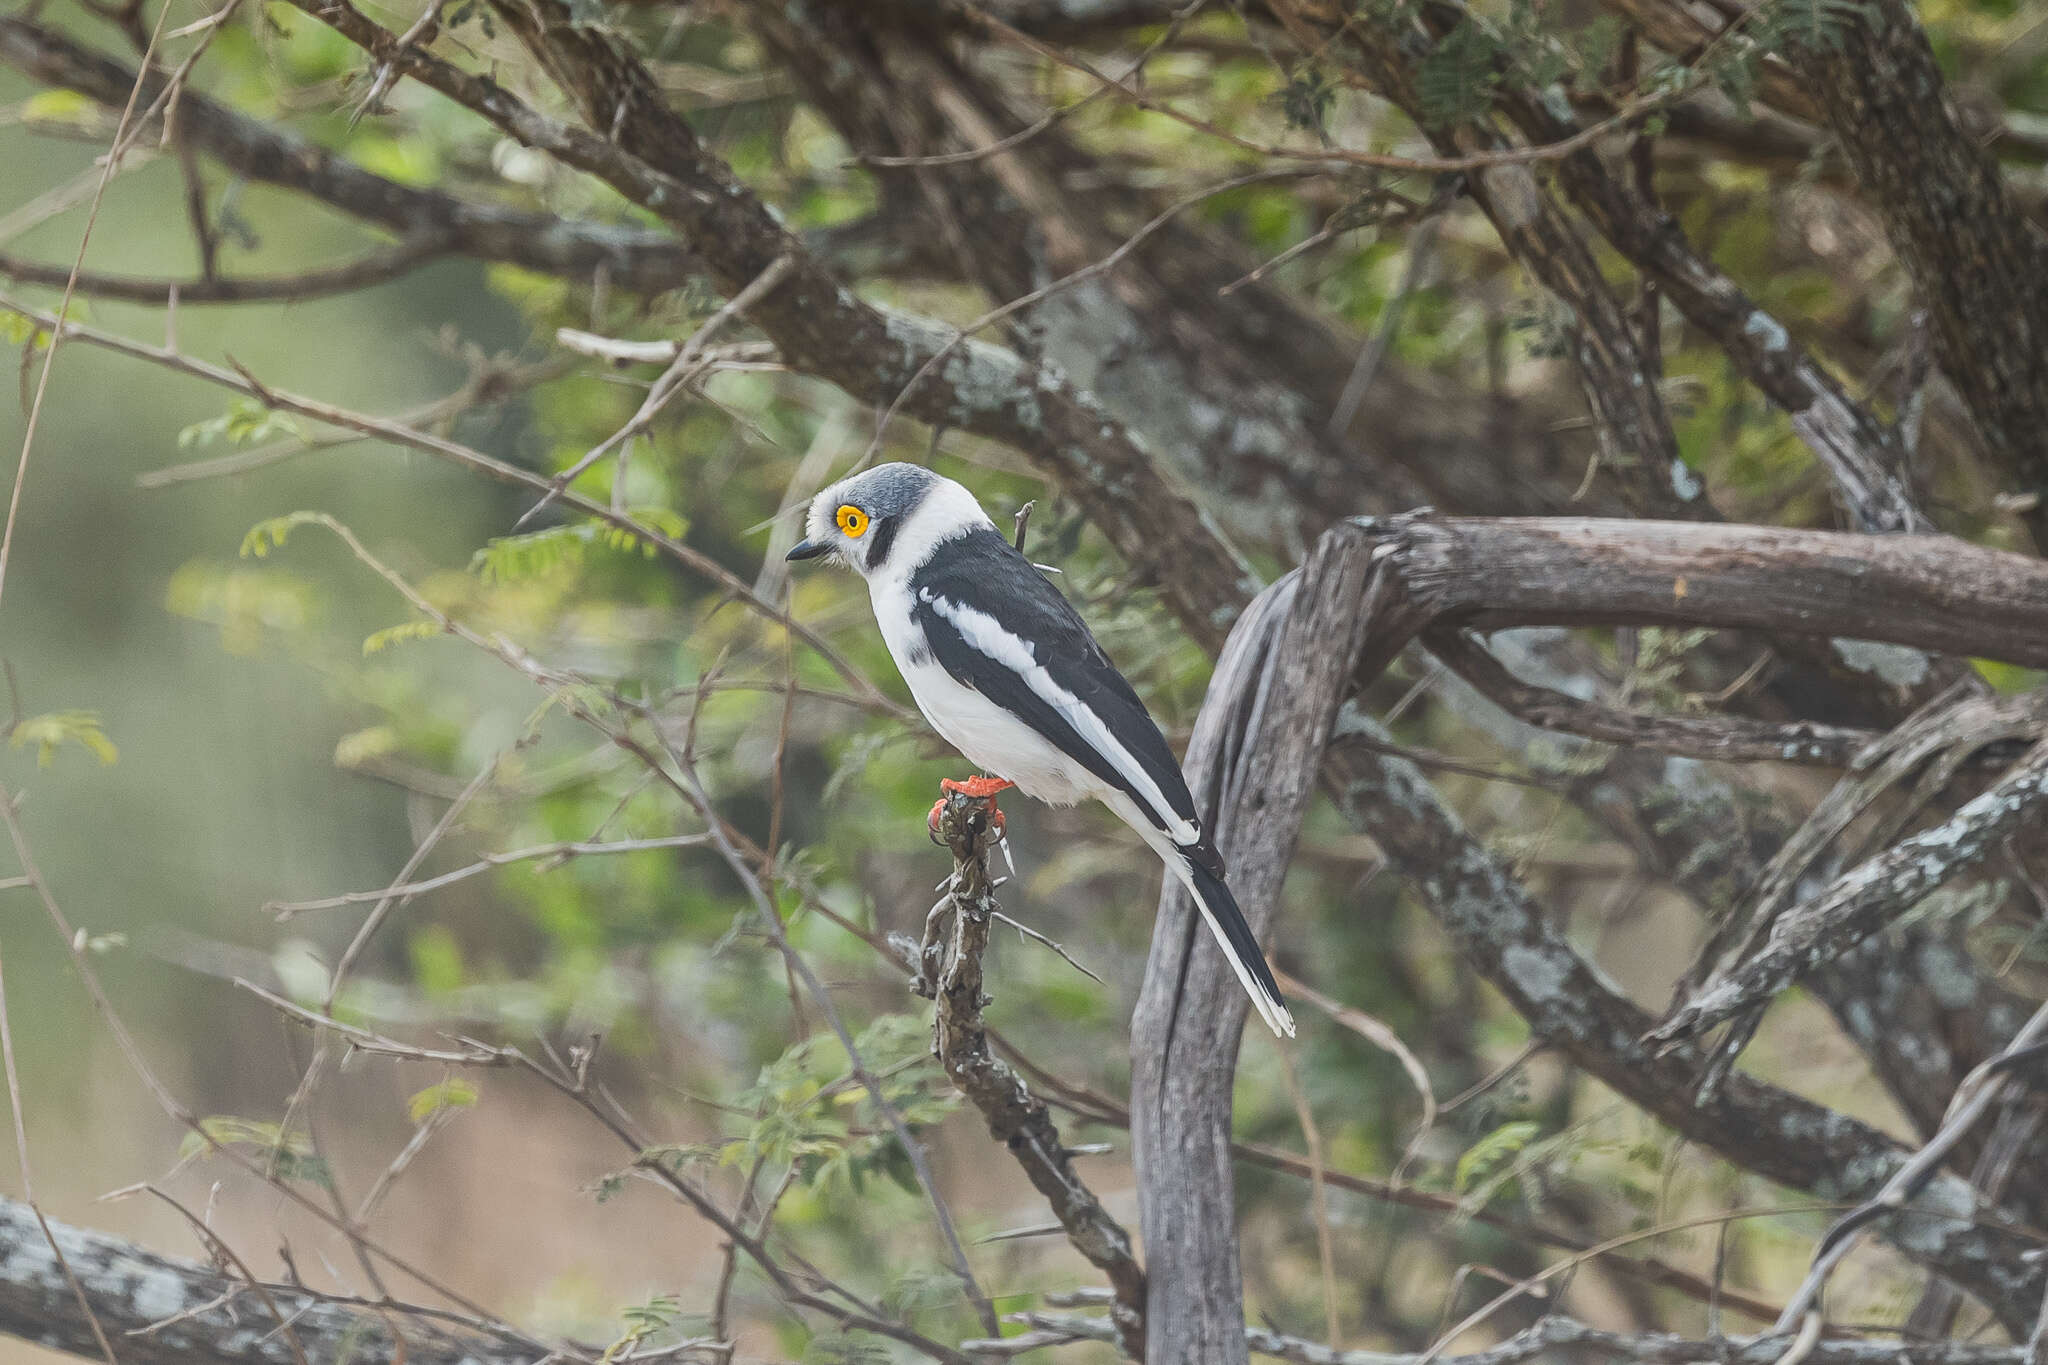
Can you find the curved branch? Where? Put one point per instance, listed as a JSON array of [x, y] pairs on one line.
[[1925, 592]]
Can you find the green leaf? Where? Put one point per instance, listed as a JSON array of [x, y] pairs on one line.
[[60, 106], [378, 641], [269, 535], [1455, 81], [1490, 1152], [449, 1094], [355, 749], [17, 330], [54, 729], [512, 559], [245, 423], [292, 1153]]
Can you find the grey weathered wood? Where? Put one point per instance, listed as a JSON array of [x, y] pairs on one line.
[[1423, 571], [132, 1289], [1253, 766], [1926, 592]]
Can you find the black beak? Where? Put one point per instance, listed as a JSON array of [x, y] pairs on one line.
[[806, 549]]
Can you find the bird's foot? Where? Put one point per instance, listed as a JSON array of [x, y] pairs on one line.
[[981, 788]]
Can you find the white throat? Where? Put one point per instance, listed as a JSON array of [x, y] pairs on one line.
[[947, 512]]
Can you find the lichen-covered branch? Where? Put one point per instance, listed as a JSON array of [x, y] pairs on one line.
[[1502, 932], [1557, 1333], [1977, 263], [1868, 897], [163, 1310], [1931, 593]]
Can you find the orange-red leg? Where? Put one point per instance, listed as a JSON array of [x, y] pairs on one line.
[[982, 787], [976, 786]]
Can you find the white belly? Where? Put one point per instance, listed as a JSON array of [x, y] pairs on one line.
[[992, 739]]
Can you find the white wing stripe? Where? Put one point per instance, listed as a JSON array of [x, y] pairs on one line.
[[986, 634]]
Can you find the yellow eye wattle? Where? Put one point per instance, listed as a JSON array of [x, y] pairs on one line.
[[853, 521]]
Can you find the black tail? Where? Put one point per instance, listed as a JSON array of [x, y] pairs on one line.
[[1234, 936]]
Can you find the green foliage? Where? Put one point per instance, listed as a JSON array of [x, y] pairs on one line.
[[1493, 1151], [271, 533], [52, 730], [17, 330], [245, 423], [646, 1324], [513, 559], [262, 1142], [1306, 98], [810, 1114], [846, 1348], [377, 641], [1660, 663], [61, 106], [1816, 24], [246, 604], [1456, 81], [452, 1093]]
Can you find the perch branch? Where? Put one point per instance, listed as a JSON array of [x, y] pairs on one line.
[[950, 970]]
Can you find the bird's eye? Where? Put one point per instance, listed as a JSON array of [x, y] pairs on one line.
[[853, 521]]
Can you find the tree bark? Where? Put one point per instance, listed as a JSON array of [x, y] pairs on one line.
[[1977, 263]]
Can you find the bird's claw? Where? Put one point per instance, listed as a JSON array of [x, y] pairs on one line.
[[981, 789]]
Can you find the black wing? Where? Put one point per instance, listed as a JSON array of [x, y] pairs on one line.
[[983, 572]]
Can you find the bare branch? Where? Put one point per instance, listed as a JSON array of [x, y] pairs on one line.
[[1925, 592], [1979, 1092], [1726, 738]]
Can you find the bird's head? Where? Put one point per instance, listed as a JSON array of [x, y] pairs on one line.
[[889, 517]]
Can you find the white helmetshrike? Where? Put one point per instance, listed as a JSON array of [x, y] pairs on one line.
[[1005, 669]]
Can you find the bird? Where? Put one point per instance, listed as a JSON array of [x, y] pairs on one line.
[[1009, 674]]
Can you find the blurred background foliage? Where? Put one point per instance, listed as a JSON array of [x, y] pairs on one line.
[[279, 741]]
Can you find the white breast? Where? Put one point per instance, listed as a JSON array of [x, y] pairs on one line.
[[990, 737]]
